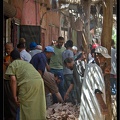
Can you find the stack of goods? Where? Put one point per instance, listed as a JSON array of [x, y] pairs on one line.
[[63, 111]]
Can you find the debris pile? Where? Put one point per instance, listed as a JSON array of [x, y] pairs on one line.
[[63, 111]]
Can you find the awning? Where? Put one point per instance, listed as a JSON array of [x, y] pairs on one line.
[[9, 10]]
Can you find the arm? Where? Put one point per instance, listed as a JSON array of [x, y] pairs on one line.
[[41, 66], [103, 107], [47, 67], [6, 64], [41, 73], [59, 97], [68, 91], [13, 84]]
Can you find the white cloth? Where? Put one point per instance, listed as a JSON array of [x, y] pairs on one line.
[[25, 55], [113, 61], [89, 57], [33, 52]]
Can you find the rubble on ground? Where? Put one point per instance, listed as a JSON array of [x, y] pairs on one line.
[[63, 111]]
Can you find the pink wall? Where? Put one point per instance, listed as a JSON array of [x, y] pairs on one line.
[[27, 11], [30, 13], [19, 6], [53, 18]]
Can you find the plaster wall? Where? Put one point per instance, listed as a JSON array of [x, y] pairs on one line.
[[53, 26], [30, 13]]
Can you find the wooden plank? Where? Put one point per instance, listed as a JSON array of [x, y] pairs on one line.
[[108, 97]]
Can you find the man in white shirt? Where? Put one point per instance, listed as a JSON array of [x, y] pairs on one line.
[[23, 53]]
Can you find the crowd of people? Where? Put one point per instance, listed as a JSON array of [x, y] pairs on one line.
[[59, 69]]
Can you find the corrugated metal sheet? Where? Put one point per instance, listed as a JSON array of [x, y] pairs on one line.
[[89, 106]]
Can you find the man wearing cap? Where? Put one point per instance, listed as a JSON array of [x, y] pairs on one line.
[[39, 60], [93, 99], [92, 52], [101, 54], [33, 49], [58, 79], [50, 82], [52, 85], [39, 47]]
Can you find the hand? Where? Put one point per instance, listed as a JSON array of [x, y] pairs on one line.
[[17, 101], [6, 63], [66, 96], [107, 70]]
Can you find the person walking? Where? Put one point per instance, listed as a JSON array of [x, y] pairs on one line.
[[27, 88]]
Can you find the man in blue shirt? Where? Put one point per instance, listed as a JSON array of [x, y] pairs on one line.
[[39, 60]]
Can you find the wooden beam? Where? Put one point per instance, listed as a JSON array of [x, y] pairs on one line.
[[106, 42]]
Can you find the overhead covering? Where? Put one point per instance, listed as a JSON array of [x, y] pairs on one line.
[[70, 1], [9, 10], [75, 1]]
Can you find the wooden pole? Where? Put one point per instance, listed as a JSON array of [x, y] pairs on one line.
[[106, 42], [86, 7]]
